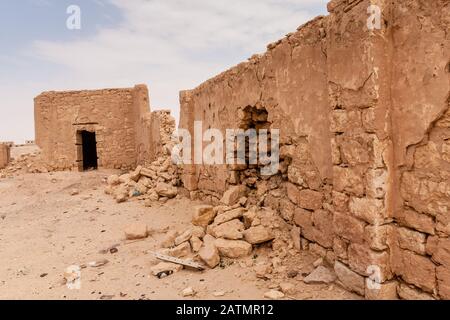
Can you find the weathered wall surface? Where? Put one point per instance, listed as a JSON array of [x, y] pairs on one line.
[[421, 114], [364, 120], [120, 118], [4, 155]]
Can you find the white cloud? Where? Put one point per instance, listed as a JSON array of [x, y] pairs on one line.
[[173, 45]]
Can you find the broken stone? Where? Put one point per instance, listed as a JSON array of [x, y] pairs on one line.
[[203, 216], [169, 239], [198, 232], [186, 236], [258, 235], [233, 248], [229, 215], [209, 253], [320, 275], [121, 194], [232, 195], [136, 231], [98, 263], [113, 180], [188, 292], [288, 288], [231, 230], [166, 268], [274, 295], [180, 251], [196, 244], [166, 191], [262, 271]]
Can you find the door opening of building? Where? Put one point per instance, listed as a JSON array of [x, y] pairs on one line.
[[89, 143]]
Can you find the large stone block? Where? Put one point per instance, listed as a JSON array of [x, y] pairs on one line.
[[412, 240], [349, 180], [414, 220], [383, 291], [365, 261], [415, 269], [350, 279], [443, 278], [370, 210], [307, 199], [377, 237], [349, 228]]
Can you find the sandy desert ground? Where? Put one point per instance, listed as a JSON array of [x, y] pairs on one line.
[[44, 229]]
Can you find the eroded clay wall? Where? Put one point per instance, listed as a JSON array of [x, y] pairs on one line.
[[4, 155], [364, 141], [111, 113], [421, 114]]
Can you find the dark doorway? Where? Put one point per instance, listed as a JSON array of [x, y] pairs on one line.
[[89, 143]]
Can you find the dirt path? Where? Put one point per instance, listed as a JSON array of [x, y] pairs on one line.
[[44, 230]]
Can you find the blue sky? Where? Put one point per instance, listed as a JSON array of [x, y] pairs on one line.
[[170, 45]]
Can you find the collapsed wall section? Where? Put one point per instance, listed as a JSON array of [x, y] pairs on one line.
[[363, 115]]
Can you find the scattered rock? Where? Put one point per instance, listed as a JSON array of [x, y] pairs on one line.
[[188, 292], [166, 191], [232, 195], [262, 271], [169, 239], [209, 254], [136, 231], [185, 236], [180, 251], [203, 216], [274, 295], [233, 248], [113, 180], [74, 192], [198, 232], [232, 230], [288, 288], [320, 275], [196, 244], [258, 235], [166, 268], [229, 215], [98, 264], [219, 294]]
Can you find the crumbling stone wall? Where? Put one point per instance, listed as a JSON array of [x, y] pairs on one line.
[[4, 155], [126, 131], [364, 120]]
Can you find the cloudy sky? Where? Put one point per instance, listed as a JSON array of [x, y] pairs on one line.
[[170, 45]]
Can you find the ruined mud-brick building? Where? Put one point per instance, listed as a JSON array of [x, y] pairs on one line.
[[365, 141], [111, 128], [5, 155]]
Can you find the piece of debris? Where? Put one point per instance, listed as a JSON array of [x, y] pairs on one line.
[[188, 292], [288, 288], [165, 269], [320, 275], [274, 295], [99, 263], [136, 231], [177, 261], [218, 294]]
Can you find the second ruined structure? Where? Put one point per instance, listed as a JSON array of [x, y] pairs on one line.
[[110, 128]]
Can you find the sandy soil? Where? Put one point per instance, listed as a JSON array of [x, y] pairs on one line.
[[44, 230]]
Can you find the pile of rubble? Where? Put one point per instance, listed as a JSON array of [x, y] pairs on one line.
[[156, 183], [26, 163], [229, 231]]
